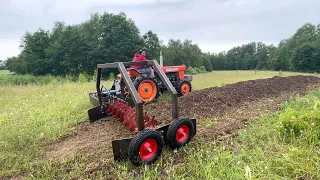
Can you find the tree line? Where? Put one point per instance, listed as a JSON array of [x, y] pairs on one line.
[[107, 37], [300, 53]]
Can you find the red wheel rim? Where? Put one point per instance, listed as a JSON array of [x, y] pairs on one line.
[[185, 88], [147, 90], [182, 133], [148, 149]]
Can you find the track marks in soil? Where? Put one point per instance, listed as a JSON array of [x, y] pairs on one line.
[[88, 137]]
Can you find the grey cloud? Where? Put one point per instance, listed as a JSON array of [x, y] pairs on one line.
[[209, 23]]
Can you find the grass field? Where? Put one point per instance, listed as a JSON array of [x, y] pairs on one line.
[[32, 116], [5, 72]]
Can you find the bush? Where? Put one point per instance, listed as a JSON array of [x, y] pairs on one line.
[[111, 76], [94, 76], [191, 70], [14, 79], [303, 124], [202, 69], [82, 78], [207, 64]]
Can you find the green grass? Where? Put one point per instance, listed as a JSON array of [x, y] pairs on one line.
[[31, 116], [5, 72]]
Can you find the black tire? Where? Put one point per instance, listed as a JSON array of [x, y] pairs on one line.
[[172, 141], [137, 142], [179, 85], [143, 77]]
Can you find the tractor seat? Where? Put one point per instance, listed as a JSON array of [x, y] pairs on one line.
[[131, 72]]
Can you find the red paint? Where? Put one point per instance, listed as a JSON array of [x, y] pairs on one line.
[[179, 69], [182, 133], [127, 116], [148, 149]]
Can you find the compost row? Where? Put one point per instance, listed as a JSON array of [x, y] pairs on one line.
[[204, 104]]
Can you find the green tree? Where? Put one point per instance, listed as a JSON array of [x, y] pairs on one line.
[[206, 63], [2, 65], [73, 49], [262, 58], [152, 42], [218, 61], [304, 58], [33, 58], [178, 53]]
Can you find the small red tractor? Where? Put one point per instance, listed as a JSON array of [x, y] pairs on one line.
[[125, 104], [149, 84]]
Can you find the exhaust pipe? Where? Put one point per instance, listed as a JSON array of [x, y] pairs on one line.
[[161, 59]]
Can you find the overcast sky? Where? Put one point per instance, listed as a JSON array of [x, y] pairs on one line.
[[215, 25]]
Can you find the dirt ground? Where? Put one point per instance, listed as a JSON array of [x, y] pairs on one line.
[[228, 107]]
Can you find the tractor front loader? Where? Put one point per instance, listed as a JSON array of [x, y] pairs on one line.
[[126, 106]]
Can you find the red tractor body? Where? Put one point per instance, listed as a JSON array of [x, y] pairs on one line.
[[149, 85], [175, 69]]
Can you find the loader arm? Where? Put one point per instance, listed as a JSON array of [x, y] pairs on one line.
[[121, 66]]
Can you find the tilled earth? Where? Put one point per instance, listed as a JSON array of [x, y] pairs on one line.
[[228, 107], [206, 103]]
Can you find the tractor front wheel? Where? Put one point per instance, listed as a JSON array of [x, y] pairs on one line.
[[146, 147], [147, 88], [183, 87]]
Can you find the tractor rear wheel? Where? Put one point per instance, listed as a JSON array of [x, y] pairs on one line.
[[183, 87], [180, 133], [146, 147], [147, 88]]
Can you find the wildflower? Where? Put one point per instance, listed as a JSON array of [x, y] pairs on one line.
[[41, 135], [315, 107]]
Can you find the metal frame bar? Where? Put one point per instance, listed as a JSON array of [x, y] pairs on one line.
[[121, 66], [169, 86]]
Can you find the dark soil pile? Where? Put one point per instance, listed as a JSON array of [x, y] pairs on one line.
[[204, 104]]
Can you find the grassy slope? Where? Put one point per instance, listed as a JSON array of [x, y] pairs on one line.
[[31, 116]]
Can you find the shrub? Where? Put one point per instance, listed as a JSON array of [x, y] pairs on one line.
[[207, 64], [303, 124], [111, 76], [191, 70], [202, 69], [14, 79], [82, 78]]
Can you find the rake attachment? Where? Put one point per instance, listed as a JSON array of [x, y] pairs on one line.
[[127, 116], [149, 139]]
